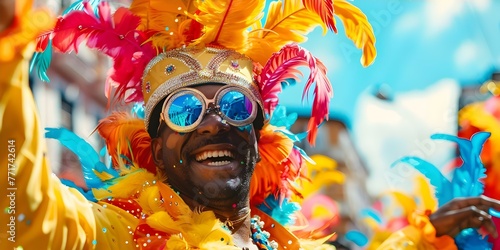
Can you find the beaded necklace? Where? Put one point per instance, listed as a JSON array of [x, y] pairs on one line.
[[259, 236]]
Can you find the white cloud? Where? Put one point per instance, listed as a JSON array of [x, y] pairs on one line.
[[440, 14], [466, 54], [481, 5]]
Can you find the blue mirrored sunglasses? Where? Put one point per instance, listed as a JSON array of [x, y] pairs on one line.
[[184, 109]]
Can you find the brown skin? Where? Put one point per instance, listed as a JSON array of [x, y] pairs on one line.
[[222, 189], [463, 213]]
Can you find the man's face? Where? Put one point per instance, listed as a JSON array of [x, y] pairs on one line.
[[213, 162]]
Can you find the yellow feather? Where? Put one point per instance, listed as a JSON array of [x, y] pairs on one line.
[[164, 17], [317, 244], [226, 22], [287, 21], [407, 202], [177, 242], [125, 186], [357, 28], [103, 176], [149, 200], [164, 222], [218, 246], [426, 193], [204, 228], [320, 181], [322, 174], [140, 8]]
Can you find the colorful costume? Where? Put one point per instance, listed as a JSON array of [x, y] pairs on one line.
[[485, 116], [158, 47]]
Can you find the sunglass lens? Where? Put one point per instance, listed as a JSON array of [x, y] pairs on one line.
[[235, 105], [185, 110]]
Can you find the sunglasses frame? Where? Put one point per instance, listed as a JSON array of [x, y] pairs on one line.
[[206, 107]]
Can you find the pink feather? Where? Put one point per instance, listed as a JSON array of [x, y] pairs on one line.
[[285, 65], [115, 36]]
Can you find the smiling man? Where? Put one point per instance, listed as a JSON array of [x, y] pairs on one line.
[[205, 138], [209, 170]]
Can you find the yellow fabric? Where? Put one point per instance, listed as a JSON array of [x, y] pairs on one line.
[[45, 214], [419, 235]]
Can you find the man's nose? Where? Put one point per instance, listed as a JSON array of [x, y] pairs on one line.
[[212, 124]]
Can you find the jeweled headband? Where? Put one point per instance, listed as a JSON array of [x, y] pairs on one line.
[[192, 66]]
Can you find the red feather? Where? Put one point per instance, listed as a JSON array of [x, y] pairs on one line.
[[285, 65], [194, 31], [115, 36], [42, 41], [324, 9]]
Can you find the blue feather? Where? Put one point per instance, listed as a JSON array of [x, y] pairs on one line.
[[467, 178], [88, 194], [281, 119], [87, 155], [470, 239], [304, 154], [466, 182], [436, 178], [357, 237], [371, 213], [282, 214], [78, 5], [42, 61], [138, 110], [288, 82]]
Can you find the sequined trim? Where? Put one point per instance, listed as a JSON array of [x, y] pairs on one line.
[[197, 75], [192, 78]]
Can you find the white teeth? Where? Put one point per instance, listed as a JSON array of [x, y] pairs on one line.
[[218, 163], [212, 154]]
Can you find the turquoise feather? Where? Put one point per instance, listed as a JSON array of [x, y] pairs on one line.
[[42, 61]]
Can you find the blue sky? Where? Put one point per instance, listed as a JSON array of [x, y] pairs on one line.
[[418, 43]]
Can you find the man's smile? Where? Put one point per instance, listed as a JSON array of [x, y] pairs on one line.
[[215, 155]]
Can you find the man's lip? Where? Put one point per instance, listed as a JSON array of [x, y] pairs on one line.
[[219, 146]]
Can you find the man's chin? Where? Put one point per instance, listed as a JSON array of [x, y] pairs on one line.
[[222, 189]]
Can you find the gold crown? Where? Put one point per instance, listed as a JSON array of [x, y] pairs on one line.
[[192, 66]]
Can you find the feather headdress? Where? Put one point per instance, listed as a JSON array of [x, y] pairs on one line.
[[158, 46], [133, 36]]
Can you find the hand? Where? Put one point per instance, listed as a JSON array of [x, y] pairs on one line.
[[462, 213]]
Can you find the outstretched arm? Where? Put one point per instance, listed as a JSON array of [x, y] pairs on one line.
[[40, 212]]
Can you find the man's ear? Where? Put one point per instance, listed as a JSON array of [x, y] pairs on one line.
[[156, 150]]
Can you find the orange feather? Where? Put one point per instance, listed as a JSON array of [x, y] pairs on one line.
[[357, 28], [279, 167], [126, 136], [226, 23]]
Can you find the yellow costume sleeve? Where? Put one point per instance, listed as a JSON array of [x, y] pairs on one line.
[[419, 235], [38, 212]]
